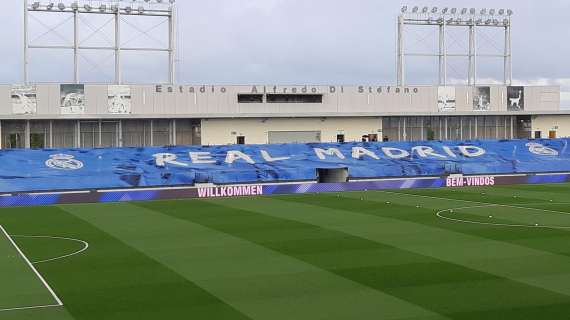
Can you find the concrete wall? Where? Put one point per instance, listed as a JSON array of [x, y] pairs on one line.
[[225, 131], [199, 101], [560, 124]]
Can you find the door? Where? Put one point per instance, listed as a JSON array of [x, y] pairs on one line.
[[552, 134], [37, 140], [15, 141]]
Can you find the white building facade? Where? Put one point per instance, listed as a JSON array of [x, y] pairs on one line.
[[100, 115]]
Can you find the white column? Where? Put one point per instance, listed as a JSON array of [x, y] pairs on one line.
[[173, 134], [27, 135], [51, 133], [120, 133], [99, 136]]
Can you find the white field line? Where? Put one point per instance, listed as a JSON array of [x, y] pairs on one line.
[[439, 214], [31, 308], [485, 203], [84, 243], [44, 282]]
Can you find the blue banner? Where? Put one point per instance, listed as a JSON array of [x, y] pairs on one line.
[[73, 169]]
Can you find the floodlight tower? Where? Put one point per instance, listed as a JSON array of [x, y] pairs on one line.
[[119, 9], [454, 17]]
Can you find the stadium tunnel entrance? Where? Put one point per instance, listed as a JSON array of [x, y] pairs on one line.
[[336, 175]]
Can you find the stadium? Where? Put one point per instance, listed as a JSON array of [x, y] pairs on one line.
[[264, 201]]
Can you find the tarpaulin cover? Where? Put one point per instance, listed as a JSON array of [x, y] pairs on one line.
[[73, 169]]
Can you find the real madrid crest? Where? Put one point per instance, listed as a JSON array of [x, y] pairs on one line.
[[64, 162], [541, 149]]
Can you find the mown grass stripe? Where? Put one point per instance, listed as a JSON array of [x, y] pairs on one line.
[[419, 279], [261, 283], [446, 245], [111, 280], [403, 208]]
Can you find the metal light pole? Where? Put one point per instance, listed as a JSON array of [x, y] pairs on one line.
[[117, 8], [468, 19]]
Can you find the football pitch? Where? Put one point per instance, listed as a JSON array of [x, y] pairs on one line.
[[473, 253]]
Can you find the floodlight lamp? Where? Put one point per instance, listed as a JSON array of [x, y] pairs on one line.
[[470, 21], [50, 6], [459, 21], [449, 21], [74, 6], [444, 11], [434, 10], [472, 11], [488, 21], [501, 12], [404, 9], [35, 5], [128, 9], [425, 10], [453, 10], [103, 7], [172, 1], [496, 22], [141, 9], [483, 12], [464, 11], [415, 9], [509, 12], [61, 6], [506, 22], [114, 8], [492, 12], [479, 21], [87, 7], [440, 20]]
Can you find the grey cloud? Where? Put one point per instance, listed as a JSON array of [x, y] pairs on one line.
[[300, 41]]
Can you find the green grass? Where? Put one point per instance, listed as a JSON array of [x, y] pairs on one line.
[[362, 255]]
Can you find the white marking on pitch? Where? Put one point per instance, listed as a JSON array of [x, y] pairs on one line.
[[84, 243], [59, 303], [487, 204], [440, 215]]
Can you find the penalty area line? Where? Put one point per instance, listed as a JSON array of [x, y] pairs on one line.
[[58, 301]]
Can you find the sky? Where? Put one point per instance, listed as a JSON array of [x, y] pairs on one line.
[[293, 42]]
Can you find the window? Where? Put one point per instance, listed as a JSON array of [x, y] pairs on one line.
[[340, 138], [39, 134], [240, 140], [250, 98], [161, 132], [64, 133], [136, 133], [538, 134], [294, 98], [13, 134]]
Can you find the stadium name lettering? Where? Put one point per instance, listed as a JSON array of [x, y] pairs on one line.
[[288, 90], [358, 153], [231, 191], [458, 182]]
